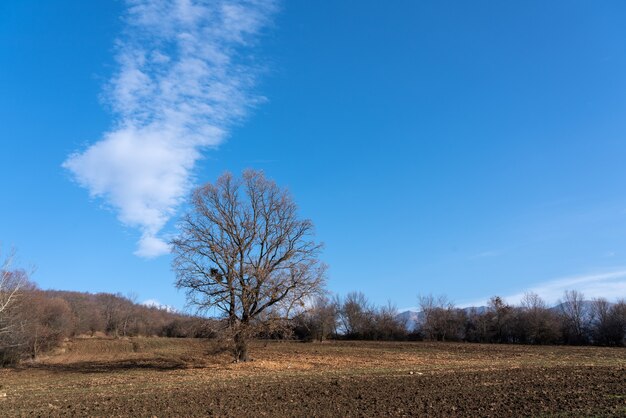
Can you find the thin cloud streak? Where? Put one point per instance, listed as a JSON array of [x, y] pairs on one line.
[[182, 81], [610, 285]]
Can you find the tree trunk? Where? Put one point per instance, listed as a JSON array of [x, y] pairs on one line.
[[241, 347]]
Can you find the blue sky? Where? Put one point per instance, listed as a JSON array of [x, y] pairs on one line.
[[466, 149]]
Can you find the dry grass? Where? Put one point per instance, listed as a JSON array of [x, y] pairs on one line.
[[278, 357]]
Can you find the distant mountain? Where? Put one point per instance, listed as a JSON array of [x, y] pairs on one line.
[[475, 309], [586, 307], [416, 318], [411, 318]]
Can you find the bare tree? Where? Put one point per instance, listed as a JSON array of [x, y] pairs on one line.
[[532, 302], [441, 320], [430, 307], [575, 319], [501, 316], [318, 321], [608, 322], [12, 282], [113, 310], [617, 331], [243, 251], [47, 321], [356, 315], [600, 320], [129, 314], [323, 318], [536, 323], [388, 325]]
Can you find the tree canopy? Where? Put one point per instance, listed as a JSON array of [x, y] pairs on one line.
[[243, 250]]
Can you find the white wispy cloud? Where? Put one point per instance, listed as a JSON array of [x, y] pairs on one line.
[[608, 284], [185, 75]]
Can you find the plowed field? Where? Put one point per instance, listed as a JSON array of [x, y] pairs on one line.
[[162, 377]]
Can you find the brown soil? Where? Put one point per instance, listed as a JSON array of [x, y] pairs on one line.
[[161, 377]]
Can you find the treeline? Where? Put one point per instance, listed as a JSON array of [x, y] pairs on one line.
[[33, 321], [573, 321], [352, 317], [37, 321]]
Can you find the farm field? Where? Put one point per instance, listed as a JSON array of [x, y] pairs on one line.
[[180, 377]]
